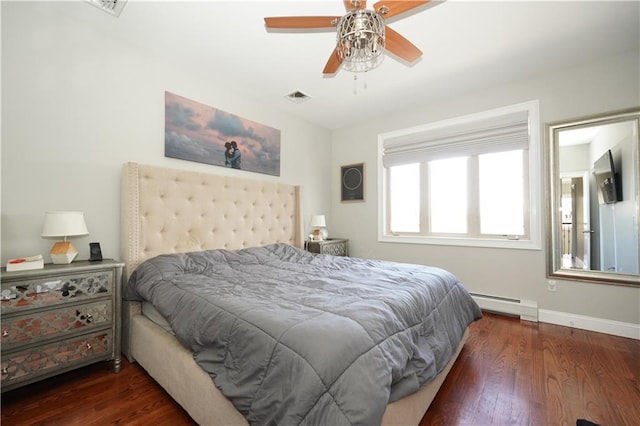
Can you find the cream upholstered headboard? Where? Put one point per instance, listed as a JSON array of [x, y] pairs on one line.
[[171, 211]]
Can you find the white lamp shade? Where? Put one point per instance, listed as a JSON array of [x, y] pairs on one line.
[[64, 224], [318, 221]]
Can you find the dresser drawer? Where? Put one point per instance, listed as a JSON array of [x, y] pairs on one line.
[[19, 330], [30, 293], [335, 247], [57, 357]]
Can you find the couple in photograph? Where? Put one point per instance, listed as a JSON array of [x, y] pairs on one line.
[[232, 155]]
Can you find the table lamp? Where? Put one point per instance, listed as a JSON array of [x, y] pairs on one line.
[[64, 224], [319, 225]]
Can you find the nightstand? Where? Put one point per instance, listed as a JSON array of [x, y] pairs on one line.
[[59, 318], [333, 246]]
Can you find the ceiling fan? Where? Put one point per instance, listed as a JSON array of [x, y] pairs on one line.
[[362, 34]]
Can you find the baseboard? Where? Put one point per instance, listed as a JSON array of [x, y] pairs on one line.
[[528, 310], [525, 309], [616, 328]]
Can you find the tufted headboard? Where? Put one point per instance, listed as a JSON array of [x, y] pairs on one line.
[[170, 211]]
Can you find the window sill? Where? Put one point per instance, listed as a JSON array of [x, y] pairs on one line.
[[462, 242]]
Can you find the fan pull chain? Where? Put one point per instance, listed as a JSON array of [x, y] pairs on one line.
[[355, 83]]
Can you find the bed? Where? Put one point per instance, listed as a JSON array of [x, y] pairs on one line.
[[177, 218]]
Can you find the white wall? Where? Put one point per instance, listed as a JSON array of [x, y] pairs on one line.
[[610, 84], [78, 104]]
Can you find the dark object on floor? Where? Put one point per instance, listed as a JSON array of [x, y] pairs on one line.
[[583, 422]]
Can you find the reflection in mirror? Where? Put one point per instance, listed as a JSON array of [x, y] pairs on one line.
[[594, 193]]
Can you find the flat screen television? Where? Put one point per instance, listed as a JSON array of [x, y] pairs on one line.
[[607, 181]]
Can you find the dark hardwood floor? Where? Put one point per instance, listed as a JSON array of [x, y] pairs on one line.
[[510, 372]]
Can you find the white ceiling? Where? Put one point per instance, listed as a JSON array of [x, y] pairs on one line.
[[467, 45]]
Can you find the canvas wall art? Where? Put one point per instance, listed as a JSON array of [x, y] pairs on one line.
[[201, 133]]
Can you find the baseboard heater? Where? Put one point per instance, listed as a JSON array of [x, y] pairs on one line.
[[525, 309]]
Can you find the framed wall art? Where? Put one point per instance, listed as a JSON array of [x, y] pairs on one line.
[[201, 133], [352, 180]]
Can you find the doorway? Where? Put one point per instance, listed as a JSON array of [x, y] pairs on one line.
[[576, 222]]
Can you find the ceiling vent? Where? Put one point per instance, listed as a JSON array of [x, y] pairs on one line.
[[113, 7], [298, 97]]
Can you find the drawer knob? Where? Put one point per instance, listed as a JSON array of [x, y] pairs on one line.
[[84, 317], [89, 347], [5, 333], [5, 370]]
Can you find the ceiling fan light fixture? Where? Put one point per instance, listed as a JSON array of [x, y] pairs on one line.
[[360, 40]]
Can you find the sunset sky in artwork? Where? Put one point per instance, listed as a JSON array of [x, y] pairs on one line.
[[197, 132]]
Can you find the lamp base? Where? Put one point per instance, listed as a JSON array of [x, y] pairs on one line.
[[63, 253], [320, 234]]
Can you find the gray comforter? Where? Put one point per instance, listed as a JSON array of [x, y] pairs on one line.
[[293, 338]]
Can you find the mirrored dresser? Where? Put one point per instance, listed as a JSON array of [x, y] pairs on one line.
[[59, 318]]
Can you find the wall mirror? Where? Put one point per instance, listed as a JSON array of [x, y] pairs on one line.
[[594, 198]]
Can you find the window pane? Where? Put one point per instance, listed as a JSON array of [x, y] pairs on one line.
[[448, 195], [501, 183], [404, 197]]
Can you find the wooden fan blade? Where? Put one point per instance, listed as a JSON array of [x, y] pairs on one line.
[[390, 8], [359, 4], [333, 63], [301, 21], [400, 46]]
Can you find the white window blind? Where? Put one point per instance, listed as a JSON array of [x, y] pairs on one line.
[[482, 135]]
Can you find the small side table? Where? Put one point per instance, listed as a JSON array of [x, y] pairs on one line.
[[333, 246]]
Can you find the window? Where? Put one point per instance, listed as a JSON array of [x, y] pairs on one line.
[[404, 197], [472, 180], [448, 196]]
